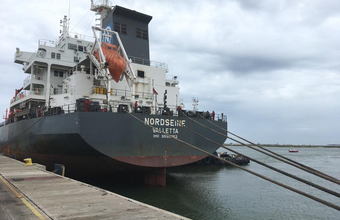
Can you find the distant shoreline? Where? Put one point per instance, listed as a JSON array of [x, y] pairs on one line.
[[290, 145]]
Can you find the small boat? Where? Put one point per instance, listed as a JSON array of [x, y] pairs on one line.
[[293, 150]]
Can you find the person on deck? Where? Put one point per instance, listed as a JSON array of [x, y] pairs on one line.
[[87, 103], [179, 110], [136, 105]]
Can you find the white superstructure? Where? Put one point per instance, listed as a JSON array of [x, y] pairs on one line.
[[60, 72]]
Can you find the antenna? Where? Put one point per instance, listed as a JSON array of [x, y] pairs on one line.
[[65, 24], [195, 103], [102, 8]]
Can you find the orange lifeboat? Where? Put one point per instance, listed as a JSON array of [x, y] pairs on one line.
[[116, 62]]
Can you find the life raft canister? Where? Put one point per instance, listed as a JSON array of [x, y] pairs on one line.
[[116, 62]]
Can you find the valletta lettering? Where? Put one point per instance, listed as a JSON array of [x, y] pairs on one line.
[[169, 126]]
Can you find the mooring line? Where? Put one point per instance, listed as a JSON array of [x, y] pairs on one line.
[[21, 133], [329, 204], [270, 167], [305, 168], [257, 145]]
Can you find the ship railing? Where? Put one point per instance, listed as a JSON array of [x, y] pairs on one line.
[[30, 77], [171, 81], [25, 93], [48, 43], [30, 60], [100, 2], [27, 80], [20, 95], [41, 53], [146, 62], [144, 95], [81, 37], [199, 114], [220, 117], [36, 54], [36, 77], [122, 93]]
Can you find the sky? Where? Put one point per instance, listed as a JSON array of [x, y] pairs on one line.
[[273, 67]]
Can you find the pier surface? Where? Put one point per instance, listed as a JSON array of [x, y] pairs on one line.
[[28, 192]]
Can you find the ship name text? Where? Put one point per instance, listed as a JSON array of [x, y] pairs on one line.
[[164, 122], [170, 127]]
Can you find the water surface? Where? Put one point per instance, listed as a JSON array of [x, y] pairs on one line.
[[230, 193]]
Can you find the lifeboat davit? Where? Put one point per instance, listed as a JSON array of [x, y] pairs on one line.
[[116, 62]]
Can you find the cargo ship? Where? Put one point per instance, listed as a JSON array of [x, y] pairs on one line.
[[101, 106]]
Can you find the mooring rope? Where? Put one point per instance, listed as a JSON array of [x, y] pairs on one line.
[[329, 204], [270, 167], [257, 145], [305, 168]]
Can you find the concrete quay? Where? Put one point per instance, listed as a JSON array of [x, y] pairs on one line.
[[29, 192]]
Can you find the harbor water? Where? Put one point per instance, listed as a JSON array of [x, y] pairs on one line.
[[230, 193]]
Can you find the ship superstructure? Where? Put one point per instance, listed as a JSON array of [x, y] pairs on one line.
[[60, 72], [83, 102]]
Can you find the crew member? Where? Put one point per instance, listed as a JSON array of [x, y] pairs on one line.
[[213, 115], [87, 102], [136, 105], [179, 110], [39, 112]]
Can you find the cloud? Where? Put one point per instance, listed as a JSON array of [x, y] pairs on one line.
[[271, 66]]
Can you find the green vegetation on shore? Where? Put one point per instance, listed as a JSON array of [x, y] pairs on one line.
[[292, 145]]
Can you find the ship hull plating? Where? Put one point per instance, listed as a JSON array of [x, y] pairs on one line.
[[96, 142]]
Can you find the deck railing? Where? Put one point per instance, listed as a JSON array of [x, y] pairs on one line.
[[146, 62], [27, 80], [25, 93]]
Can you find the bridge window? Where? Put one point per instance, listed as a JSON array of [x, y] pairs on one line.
[[80, 48], [58, 56], [143, 34], [120, 28], [72, 46], [53, 55]]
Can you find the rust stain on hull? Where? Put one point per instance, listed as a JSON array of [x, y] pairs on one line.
[[159, 161]]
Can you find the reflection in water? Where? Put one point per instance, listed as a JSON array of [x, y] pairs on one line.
[[230, 193]]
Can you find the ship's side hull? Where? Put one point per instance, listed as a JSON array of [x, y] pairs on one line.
[[101, 141]]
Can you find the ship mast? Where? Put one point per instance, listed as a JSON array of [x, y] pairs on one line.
[[102, 8], [64, 23]]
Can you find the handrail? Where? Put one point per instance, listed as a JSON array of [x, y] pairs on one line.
[[126, 93], [48, 43], [25, 93], [31, 77], [146, 62], [100, 2], [28, 78]]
